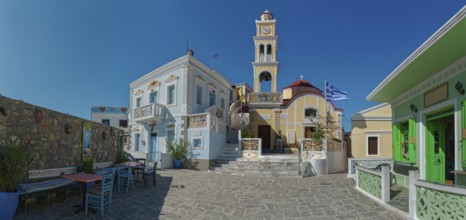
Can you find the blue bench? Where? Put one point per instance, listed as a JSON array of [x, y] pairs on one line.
[[44, 183]]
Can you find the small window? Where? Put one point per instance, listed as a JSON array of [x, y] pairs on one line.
[[373, 145], [153, 97], [222, 103], [212, 98], [171, 95], [137, 139], [138, 102], [310, 112], [106, 122], [124, 123], [197, 143], [171, 135], [199, 95]]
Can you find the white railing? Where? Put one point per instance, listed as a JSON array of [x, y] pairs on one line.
[[429, 200], [217, 125], [265, 98], [334, 146], [153, 111], [269, 57], [374, 183], [198, 120], [216, 111], [365, 162]]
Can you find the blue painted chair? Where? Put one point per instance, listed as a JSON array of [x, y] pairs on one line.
[[125, 178], [101, 196], [150, 172]]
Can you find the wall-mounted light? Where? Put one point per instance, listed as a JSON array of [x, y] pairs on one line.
[[413, 108], [459, 88], [152, 126]]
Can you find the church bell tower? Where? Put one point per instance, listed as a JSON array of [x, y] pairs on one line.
[[265, 63]]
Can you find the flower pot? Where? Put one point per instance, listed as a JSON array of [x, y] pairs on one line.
[[177, 163], [9, 201]]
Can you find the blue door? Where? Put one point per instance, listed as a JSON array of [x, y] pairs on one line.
[[153, 147]]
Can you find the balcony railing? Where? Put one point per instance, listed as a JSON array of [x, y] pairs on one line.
[[263, 57], [216, 111], [265, 98], [152, 112], [197, 121]]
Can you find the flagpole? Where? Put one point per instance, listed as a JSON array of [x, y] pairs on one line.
[[325, 127]]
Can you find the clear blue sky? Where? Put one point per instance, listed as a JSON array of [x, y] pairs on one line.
[[71, 55]]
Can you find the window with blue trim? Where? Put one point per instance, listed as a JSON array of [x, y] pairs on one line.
[[153, 97]]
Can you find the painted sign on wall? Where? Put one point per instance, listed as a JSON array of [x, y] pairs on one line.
[[87, 153]]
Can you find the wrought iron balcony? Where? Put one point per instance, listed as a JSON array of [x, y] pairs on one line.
[[150, 113], [265, 98]]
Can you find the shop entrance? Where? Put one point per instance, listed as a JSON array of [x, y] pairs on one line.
[[440, 147]]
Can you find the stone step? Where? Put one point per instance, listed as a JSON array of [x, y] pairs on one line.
[[263, 164], [229, 153], [259, 171], [246, 167], [270, 160], [260, 175]]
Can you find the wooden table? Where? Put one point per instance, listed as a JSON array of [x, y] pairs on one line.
[[84, 178], [129, 163]]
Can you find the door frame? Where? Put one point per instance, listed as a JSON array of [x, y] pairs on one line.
[[153, 134], [269, 136], [429, 148], [421, 139]]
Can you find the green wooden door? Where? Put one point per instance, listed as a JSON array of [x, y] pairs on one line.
[[435, 152]]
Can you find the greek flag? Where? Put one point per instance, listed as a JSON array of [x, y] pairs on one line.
[[333, 93]]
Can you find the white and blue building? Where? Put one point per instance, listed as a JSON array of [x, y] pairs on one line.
[[181, 99]]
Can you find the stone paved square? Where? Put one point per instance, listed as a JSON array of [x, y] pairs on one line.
[[188, 194]]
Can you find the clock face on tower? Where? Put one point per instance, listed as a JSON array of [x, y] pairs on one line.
[[265, 29]]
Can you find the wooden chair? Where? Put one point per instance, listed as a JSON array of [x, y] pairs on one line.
[[150, 172], [101, 196], [125, 178]]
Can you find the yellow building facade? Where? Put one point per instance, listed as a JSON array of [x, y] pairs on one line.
[[371, 133], [296, 112]]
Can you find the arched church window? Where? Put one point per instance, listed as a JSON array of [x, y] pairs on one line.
[[269, 52], [261, 53], [310, 112]]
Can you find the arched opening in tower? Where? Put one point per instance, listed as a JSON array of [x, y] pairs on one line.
[[265, 80]]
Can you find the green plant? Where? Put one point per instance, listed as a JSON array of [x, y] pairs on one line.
[[178, 149], [121, 157], [88, 165], [246, 132], [15, 158]]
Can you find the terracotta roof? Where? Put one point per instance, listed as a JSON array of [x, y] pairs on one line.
[[286, 102], [300, 86]]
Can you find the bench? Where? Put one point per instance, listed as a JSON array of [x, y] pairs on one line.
[[44, 183]]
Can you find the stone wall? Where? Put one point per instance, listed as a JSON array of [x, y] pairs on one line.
[[56, 138]]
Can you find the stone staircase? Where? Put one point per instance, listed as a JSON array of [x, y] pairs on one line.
[[275, 166]]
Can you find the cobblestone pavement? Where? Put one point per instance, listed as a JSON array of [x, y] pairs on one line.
[[187, 194]]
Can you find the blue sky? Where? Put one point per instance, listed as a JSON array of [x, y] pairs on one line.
[[71, 55]]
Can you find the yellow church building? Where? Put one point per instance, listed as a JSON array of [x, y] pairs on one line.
[[295, 113], [282, 120]]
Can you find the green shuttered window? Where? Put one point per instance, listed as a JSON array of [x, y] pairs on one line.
[[404, 141]]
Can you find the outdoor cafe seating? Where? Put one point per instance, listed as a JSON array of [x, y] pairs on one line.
[[125, 178], [100, 197]]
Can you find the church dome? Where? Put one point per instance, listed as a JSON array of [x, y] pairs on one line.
[[299, 87], [266, 15]]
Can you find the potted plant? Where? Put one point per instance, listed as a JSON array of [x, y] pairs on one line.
[[14, 161], [178, 150]]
